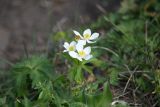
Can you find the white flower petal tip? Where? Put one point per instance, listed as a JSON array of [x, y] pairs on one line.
[[65, 51], [73, 43], [66, 45], [76, 33], [73, 54], [79, 58], [88, 57], [94, 36], [87, 50], [88, 41], [87, 31]]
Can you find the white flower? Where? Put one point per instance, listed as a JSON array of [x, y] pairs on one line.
[[87, 36], [82, 53], [69, 47]]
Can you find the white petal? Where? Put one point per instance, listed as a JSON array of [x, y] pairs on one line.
[[77, 33], [83, 42], [79, 58], [88, 57], [87, 50], [79, 47], [94, 36], [66, 45], [73, 54], [90, 41], [73, 43], [87, 31], [65, 50]]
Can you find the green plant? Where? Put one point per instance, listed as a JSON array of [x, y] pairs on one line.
[[126, 55], [35, 83], [134, 36]]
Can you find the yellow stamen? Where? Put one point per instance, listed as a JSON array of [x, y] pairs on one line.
[[71, 48], [82, 53], [87, 36]]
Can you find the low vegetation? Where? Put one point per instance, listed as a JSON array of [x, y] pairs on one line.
[[121, 68]]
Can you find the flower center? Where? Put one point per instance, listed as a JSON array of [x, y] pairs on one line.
[[77, 37], [87, 36], [71, 48], [82, 53]]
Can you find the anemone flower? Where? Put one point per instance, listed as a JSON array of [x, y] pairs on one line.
[[69, 46], [87, 36], [81, 52]]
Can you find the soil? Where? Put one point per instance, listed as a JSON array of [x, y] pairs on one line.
[[25, 25]]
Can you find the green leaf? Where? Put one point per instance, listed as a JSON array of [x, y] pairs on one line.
[[107, 95], [88, 69], [113, 75], [99, 99], [27, 102], [79, 75]]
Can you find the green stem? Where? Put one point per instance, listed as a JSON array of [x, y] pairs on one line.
[[107, 49]]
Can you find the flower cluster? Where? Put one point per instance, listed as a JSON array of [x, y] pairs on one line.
[[77, 49]]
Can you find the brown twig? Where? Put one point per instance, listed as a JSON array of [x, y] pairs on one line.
[[131, 75]]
